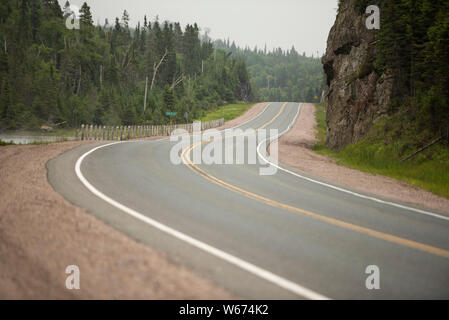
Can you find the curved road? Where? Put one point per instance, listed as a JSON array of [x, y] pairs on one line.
[[283, 236]]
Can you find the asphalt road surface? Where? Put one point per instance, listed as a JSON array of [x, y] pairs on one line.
[[279, 236]]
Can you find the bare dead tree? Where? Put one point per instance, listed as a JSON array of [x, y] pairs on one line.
[[79, 82], [146, 93], [101, 77], [126, 57], [177, 81], [155, 68]]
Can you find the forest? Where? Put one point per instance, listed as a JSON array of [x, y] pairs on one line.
[[52, 75], [413, 46], [280, 75]]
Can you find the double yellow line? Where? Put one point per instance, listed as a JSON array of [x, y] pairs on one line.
[[335, 222]]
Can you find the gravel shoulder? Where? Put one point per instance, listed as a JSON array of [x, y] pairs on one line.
[[41, 234], [295, 151]]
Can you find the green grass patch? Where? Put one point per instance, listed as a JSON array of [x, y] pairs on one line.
[[37, 143], [4, 143], [227, 112], [60, 132], [381, 153]]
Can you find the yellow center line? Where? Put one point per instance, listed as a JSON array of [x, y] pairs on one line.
[[335, 222], [275, 117]]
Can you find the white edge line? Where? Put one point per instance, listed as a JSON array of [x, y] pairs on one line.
[[262, 273], [338, 188], [257, 116]]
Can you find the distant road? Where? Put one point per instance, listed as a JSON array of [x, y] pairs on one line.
[[266, 237]]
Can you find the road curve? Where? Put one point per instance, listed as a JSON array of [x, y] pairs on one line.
[[264, 237]]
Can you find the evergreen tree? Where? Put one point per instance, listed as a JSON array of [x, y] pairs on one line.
[[86, 15], [49, 73]]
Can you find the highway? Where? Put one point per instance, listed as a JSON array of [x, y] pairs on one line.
[[282, 236]]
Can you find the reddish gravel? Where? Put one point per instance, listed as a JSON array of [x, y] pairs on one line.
[[41, 234], [295, 150]]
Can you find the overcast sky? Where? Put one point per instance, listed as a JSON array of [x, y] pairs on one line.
[[276, 23]]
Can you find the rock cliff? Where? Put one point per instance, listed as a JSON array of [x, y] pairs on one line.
[[357, 95]]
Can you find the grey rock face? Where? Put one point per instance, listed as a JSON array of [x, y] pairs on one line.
[[357, 95]]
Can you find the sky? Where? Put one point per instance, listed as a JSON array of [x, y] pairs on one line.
[[276, 23]]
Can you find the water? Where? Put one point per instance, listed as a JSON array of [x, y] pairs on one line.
[[26, 139]]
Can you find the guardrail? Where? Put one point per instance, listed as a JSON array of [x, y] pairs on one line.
[[99, 132]]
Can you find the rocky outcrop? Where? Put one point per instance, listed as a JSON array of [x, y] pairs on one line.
[[357, 96]]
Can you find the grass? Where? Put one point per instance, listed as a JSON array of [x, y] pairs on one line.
[[4, 143], [381, 153], [37, 143], [63, 132], [227, 112]]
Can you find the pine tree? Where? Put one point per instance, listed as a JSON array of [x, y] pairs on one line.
[[86, 15], [52, 9], [35, 18], [169, 99], [125, 19]]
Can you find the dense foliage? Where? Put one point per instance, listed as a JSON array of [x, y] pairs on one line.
[[413, 46], [50, 74], [280, 75]]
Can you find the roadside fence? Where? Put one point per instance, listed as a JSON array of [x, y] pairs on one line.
[[119, 133]]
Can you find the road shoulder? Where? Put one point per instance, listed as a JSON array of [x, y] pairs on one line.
[[41, 233], [295, 150]]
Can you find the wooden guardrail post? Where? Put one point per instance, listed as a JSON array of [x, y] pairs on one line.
[[82, 132]]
